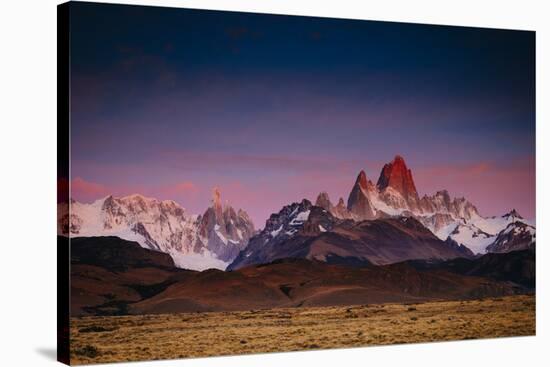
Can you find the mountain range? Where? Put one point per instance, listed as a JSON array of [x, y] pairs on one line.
[[210, 240], [380, 224], [311, 232], [383, 224], [395, 194]]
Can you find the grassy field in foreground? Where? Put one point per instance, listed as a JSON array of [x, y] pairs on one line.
[[130, 338]]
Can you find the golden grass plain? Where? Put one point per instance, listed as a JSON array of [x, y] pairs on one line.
[[168, 336]]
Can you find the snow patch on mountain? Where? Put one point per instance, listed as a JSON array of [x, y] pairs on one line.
[[445, 231], [198, 261], [381, 207], [276, 232], [516, 236], [300, 218], [220, 236], [472, 237]]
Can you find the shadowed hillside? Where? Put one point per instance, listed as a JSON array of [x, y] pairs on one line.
[[111, 276]]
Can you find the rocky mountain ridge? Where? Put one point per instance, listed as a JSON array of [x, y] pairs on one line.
[[198, 242], [303, 230], [395, 194]]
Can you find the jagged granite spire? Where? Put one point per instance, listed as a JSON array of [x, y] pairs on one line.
[[359, 203]]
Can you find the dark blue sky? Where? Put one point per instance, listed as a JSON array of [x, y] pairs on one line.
[[295, 105]]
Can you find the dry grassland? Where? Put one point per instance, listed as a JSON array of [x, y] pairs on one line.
[[131, 338]]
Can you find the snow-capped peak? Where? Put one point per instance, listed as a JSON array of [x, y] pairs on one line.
[[395, 195], [213, 238], [512, 214]]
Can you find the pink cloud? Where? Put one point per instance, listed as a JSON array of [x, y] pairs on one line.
[[493, 188], [87, 190], [185, 187]]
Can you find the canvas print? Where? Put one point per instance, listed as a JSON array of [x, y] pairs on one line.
[[235, 183]]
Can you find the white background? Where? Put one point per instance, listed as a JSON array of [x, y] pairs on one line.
[[28, 179]]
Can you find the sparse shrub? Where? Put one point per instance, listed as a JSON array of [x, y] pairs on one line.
[[95, 329], [87, 351], [414, 318], [411, 309]]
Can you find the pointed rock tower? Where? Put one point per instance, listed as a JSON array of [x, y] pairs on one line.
[[398, 177], [225, 230], [323, 201], [359, 203], [217, 203]]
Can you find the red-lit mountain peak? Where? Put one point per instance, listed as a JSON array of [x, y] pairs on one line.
[[398, 176]]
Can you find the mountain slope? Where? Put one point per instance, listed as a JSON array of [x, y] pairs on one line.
[[299, 282], [108, 273], [111, 276], [515, 266], [302, 230], [516, 236]]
